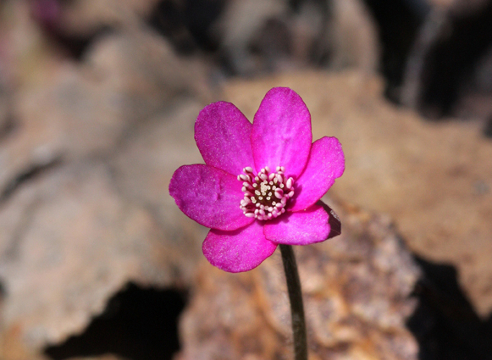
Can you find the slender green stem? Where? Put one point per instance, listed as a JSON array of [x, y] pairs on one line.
[[296, 306]]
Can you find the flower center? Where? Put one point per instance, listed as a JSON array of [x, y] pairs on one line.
[[266, 194]]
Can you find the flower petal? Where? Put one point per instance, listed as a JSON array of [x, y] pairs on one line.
[[299, 228], [281, 133], [209, 196], [326, 163], [239, 250], [223, 136]]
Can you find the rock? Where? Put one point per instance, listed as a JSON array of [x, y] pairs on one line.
[[70, 118], [146, 162], [77, 231], [70, 241], [258, 36], [85, 110], [4, 102], [355, 37], [85, 17], [431, 178], [140, 71], [356, 290], [76, 227], [12, 348], [239, 24], [447, 71], [85, 197]]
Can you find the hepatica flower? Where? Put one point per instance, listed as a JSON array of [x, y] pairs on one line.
[[261, 183]]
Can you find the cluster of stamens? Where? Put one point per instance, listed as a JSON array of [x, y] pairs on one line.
[[266, 194]]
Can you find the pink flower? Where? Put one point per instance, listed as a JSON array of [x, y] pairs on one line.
[[261, 182]]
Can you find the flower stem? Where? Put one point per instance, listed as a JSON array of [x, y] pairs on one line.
[[296, 306]]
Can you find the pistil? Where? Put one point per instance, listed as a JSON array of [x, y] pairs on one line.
[[266, 194]]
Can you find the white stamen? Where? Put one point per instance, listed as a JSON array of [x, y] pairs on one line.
[[266, 194]]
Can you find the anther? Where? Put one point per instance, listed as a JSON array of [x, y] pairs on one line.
[[265, 194]]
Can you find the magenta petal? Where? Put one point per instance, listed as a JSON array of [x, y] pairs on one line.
[[223, 136], [300, 228], [326, 163], [209, 196], [239, 250], [281, 133]]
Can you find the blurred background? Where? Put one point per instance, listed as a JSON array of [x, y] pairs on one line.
[[98, 100]]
